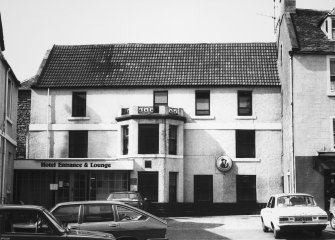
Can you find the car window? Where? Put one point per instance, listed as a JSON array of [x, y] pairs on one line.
[[296, 200], [67, 214], [133, 196], [26, 221], [98, 213], [126, 214], [270, 202]]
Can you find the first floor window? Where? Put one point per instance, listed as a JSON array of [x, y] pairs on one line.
[[332, 75], [333, 133], [245, 143], [78, 144], [202, 103], [78, 104], [244, 103], [125, 138], [160, 99], [148, 138], [173, 139]]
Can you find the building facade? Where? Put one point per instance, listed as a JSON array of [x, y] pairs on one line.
[[306, 53], [180, 123], [8, 116]]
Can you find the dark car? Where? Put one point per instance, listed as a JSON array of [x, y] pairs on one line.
[[131, 198], [35, 222], [122, 220]]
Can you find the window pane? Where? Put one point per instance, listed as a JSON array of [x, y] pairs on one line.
[[161, 98], [125, 214], [79, 104], [332, 83], [245, 144], [125, 137], [148, 138], [202, 103], [67, 214], [99, 213], [332, 67], [78, 144], [173, 139], [244, 103]]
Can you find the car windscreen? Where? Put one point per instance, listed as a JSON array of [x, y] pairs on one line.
[[295, 200], [54, 220], [118, 196]]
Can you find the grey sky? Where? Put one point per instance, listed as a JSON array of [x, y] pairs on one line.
[[31, 27]]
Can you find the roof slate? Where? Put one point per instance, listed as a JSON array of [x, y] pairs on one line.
[[160, 65], [311, 38]]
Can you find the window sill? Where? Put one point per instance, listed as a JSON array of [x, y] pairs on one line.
[[246, 117], [246, 159], [331, 94], [78, 118], [209, 117]]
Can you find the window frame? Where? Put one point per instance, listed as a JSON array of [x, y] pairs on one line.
[[332, 132], [245, 144], [156, 105], [201, 112], [9, 99], [240, 94], [79, 106], [72, 146]]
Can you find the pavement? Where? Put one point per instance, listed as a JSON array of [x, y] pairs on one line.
[[229, 227]]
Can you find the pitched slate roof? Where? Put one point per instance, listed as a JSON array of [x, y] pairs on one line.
[[160, 65], [311, 38]]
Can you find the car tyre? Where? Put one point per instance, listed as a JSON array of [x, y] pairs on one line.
[[332, 222], [265, 228], [318, 233], [276, 233]]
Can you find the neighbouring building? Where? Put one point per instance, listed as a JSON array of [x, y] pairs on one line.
[[183, 124], [306, 65], [8, 115]]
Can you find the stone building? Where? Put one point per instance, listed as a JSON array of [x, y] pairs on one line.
[[183, 124], [8, 115], [306, 65]]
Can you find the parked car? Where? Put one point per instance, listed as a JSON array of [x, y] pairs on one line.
[[122, 220], [35, 222], [132, 198], [296, 211]]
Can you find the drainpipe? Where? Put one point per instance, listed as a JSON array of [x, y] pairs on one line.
[[4, 142], [292, 125], [48, 140]]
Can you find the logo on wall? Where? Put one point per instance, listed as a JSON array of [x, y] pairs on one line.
[[224, 163]]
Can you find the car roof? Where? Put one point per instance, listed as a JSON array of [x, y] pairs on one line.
[[291, 194], [14, 206]]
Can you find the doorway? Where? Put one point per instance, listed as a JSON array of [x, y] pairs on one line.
[[148, 185], [203, 188]]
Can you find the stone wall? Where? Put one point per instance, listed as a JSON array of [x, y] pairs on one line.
[[23, 121]]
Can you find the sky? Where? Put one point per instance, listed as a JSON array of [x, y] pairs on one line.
[[31, 27]]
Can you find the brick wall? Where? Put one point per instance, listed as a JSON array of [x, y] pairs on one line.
[[23, 120]]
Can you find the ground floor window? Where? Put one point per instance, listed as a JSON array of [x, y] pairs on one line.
[[173, 187], [246, 188], [203, 188], [148, 185], [33, 187]]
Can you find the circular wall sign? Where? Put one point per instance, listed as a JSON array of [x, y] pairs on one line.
[[224, 163]]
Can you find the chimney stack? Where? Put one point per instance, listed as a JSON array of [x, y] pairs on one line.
[[287, 6]]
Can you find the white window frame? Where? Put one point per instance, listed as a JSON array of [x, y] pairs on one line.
[[9, 100], [329, 92]]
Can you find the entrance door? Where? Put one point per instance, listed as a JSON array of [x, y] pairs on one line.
[[203, 188], [246, 188], [72, 186], [329, 188], [148, 185]]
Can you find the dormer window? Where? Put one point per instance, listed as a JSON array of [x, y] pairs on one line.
[[328, 27]]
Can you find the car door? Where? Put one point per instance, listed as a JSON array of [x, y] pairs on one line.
[[99, 217], [27, 225], [136, 224]]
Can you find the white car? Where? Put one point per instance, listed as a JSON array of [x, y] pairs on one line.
[[293, 211]]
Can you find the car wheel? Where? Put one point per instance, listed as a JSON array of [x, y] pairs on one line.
[[265, 228], [318, 233], [276, 233], [332, 222]]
